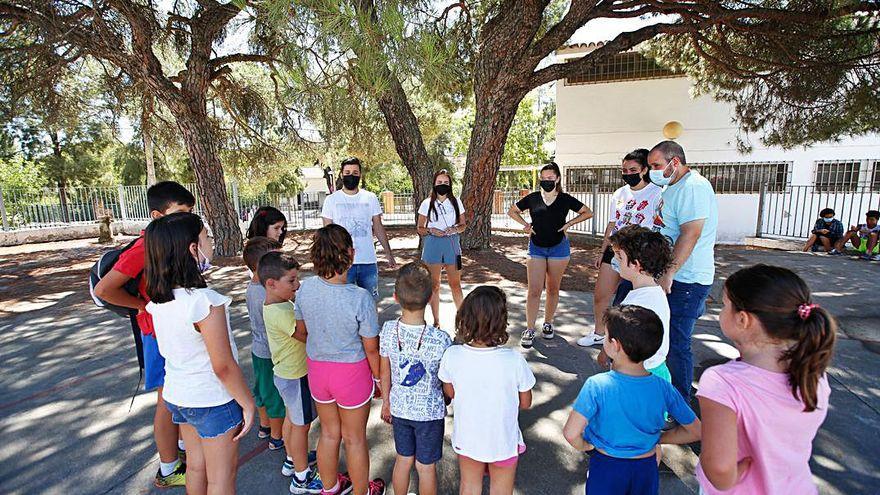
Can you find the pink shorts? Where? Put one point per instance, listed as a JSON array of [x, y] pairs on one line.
[[349, 385], [506, 462]]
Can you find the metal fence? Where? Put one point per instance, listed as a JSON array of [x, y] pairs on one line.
[[597, 200], [791, 212]]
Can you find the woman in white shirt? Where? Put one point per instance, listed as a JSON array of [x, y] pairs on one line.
[[441, 220], [205, 389], [635, 203]]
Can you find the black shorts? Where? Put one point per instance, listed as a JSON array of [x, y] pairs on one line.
[[422, 439], [607, 255]]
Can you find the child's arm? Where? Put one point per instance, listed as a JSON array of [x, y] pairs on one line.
[[719, 453], [525, 399], [214, 332], [573, 431], [449, 390], [300, 333], [371, 348], [385, 374], [682, 434], [110, 289]]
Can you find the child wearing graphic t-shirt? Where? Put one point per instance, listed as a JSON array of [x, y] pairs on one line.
[[410, 351]]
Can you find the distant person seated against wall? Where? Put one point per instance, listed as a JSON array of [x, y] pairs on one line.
[[826, 233], [863, 237]]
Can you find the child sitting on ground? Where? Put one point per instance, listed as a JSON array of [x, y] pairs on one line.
[[489, 384], [413, 399], [621, 412], [269, 403], [343, 360], [865, 237], [826, 232], [761, 411], [287, 341]]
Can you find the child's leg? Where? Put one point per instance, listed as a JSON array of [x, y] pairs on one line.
[[427, 479], [471, 473], [165, 431], [264, 420], [501, 479], [221, 462], [196, 476], [357, 455], [299, 436], [400, 477], [810, 242], [328, 443], [826, 243], [276, 427]]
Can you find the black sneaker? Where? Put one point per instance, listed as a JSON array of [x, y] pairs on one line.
[[547, 331], [527, 338]]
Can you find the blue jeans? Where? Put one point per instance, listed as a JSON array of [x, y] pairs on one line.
[[365, 276], [687, 302]]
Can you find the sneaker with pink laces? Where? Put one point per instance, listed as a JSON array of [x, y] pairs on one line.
[[343, 485], [376, 487]]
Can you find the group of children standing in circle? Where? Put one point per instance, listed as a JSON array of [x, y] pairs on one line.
[[320, 353]]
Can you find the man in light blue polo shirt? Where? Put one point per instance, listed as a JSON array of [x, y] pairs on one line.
[[688, 217]]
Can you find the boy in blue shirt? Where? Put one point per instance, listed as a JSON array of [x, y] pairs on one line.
[[620, 413]]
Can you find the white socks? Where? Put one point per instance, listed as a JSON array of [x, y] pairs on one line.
[[180, 445], [301, 475], [167, 468]]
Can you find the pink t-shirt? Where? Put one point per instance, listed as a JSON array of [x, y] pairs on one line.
[[772, 428]]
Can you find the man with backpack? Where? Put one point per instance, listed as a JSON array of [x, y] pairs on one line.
[[163, 198]]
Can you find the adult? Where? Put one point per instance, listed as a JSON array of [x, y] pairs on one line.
[[827, 231], [688, 218], [358, 211], [635, 203], [549, 248], [441, 222]]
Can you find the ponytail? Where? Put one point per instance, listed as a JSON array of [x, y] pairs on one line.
[[781, 302], [809, 357]]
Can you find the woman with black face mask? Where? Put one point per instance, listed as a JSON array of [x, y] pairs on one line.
[[441, 220], [549, 249], [633, 204]]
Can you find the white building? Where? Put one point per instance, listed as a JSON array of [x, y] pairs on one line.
[[624, 104]]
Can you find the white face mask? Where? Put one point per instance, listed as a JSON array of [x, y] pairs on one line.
[[658, 178], [204, 264]]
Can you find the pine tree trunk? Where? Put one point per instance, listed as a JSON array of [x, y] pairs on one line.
[[147, 134], [200, 145]]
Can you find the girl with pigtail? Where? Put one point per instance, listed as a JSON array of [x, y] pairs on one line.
[[761, 412]]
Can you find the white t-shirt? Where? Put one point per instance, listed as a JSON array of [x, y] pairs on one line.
[[487, 384], [443, 216], [355, 212], [630, 207], [189, 377], [653, 298]]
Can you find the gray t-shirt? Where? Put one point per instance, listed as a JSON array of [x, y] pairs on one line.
[[255, 297], [336, 317]]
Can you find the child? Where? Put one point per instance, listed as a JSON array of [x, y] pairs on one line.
[[413, 399], [621, 412], [489, 384], [864, 237], [268, 222], [761, 411], [205, 390], [278, 274], [269, 403], [827, 231], [644, 256], [343, 360], [163, 198]]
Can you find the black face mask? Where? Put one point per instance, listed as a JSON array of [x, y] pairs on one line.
[[351, 182], [548, 185], [442, 189], [632, 180]]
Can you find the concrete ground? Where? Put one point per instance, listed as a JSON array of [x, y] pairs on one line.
[[69, 425]]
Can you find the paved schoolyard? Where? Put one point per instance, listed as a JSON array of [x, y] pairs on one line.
[[68, 373]]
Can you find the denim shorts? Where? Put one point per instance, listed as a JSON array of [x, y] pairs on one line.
[[422, 439], [561, 251], [365, 276], [209, 422], [441, 250]]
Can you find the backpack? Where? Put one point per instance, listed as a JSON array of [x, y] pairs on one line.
[[100, 269]]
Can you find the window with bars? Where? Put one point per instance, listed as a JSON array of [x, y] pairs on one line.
[[581, 178], [622, 67], [837, 176], [875, 176], [745, 177]]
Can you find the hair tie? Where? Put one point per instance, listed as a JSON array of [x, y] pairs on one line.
[[263, 213], [805, 309]]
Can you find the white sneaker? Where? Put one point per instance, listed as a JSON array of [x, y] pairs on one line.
[[876, 257], [528, 338], [590, 340]]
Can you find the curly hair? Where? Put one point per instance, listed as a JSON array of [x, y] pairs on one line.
[[482, 317], [649, 248], [331, 250]]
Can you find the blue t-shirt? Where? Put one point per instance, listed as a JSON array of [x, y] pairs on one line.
[[691, 198], [626, 413]]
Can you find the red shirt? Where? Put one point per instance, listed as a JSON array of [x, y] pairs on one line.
[[131, 264]]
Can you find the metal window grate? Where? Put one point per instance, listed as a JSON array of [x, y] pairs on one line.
[[580, 179], [629, 66], [875, 176], [745, 177], [837, 175]]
